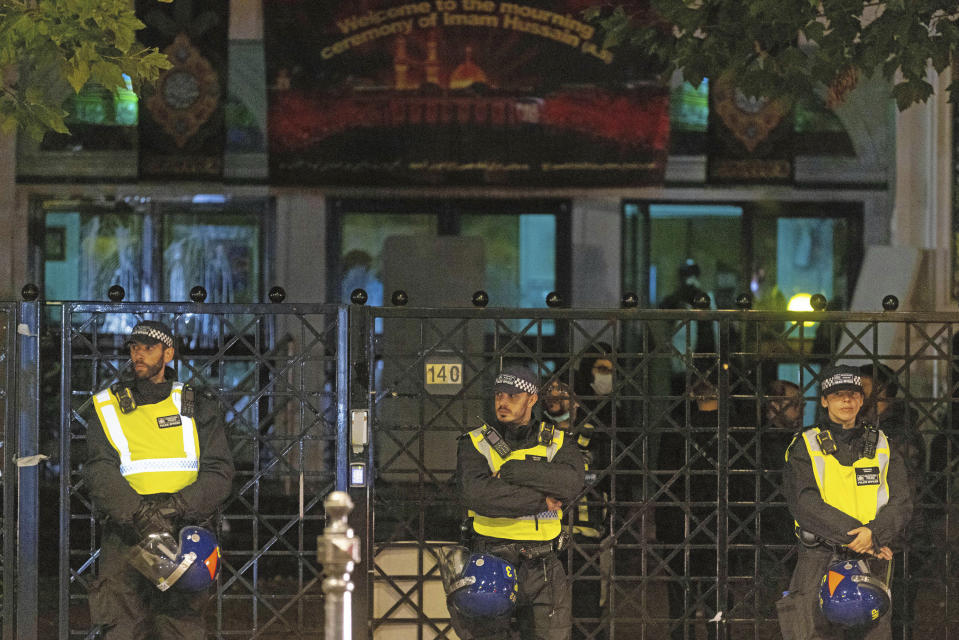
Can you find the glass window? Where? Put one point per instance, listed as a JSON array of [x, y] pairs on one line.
[[155, 251], [220, 251], [803, 256], [361, 251], [99, 119], [775, 250], [672, 235], [517, 241], [88, 251], [519, 271]]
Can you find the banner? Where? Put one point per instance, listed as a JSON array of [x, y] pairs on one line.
[[182, 132], [465, 92], [749, 140]]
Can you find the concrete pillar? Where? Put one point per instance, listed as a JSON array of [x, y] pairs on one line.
[[922, 213]]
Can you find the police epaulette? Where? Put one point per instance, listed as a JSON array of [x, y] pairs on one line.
[[124, 397], [187, 401]]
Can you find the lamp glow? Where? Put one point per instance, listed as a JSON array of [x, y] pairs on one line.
[[801, 302]]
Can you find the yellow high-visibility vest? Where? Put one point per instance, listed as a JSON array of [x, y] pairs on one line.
[[545, 525], [859, 490], [158, 446]]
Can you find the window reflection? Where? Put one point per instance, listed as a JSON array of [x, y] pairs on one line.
[[155, 252]]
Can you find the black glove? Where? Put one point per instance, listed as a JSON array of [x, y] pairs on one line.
[[173, 507], [152, 518]]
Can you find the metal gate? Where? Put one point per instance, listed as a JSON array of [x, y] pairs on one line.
[[697, 539], [279, 376], [695, 536]]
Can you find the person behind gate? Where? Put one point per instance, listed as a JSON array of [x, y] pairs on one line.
[[848, 490], [514, 476], [158, 463]]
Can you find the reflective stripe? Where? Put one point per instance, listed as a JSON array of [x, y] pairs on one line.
[[112, 425], [542, 515], [159, 464], [189, 428]]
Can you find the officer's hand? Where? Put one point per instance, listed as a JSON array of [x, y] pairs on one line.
[[863, 540], [150, 519], [885, 553], [552, 504], [173, 507]]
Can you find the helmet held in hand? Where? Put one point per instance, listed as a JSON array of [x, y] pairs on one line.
[[850, 596], [190, 564]]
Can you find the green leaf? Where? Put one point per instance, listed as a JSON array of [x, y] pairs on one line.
[[911, 92], [78, 73]]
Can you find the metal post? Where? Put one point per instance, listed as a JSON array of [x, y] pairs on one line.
[[338, 551], [28, 476], [9, 369]]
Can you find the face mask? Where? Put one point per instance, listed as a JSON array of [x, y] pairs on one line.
[[564, 417], [602, 383]]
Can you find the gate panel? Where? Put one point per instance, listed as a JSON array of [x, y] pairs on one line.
[[697, 539], [273, 369]]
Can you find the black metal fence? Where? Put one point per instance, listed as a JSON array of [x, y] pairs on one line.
[[693, 536], [695, 539]]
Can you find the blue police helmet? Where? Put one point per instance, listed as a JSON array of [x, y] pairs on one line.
[[850, 596], [487, 587], [191, 563], [205, 568]]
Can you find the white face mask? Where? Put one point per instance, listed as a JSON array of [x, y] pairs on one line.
[[564, 417], [602, 383]]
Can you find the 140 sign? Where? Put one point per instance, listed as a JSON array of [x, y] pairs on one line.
[[443, 375]]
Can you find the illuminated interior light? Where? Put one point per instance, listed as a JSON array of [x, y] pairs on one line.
[[801, 302]]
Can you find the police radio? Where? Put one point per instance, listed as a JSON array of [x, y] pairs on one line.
[[187, 401], [496, 441], [870, 441]]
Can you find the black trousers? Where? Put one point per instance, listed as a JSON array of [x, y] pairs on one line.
[[132, 608], [543, 608]]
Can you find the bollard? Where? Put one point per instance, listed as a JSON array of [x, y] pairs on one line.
[[338, 551]]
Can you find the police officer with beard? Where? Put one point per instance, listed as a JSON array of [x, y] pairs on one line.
[[849, 492], [158, 460], [515, 476]]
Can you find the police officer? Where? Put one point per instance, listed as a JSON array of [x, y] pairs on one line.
[[514, 477], [849, 493], [158, 459]]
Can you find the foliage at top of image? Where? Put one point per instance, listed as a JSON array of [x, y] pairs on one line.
[[790, 48], [49, 48]]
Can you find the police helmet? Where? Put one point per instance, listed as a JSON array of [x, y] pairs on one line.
[[478, 585], [850, 596], [190, 564]]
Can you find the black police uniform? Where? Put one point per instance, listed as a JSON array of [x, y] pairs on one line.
[[543, 606], [121, 599], [829, 525]]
